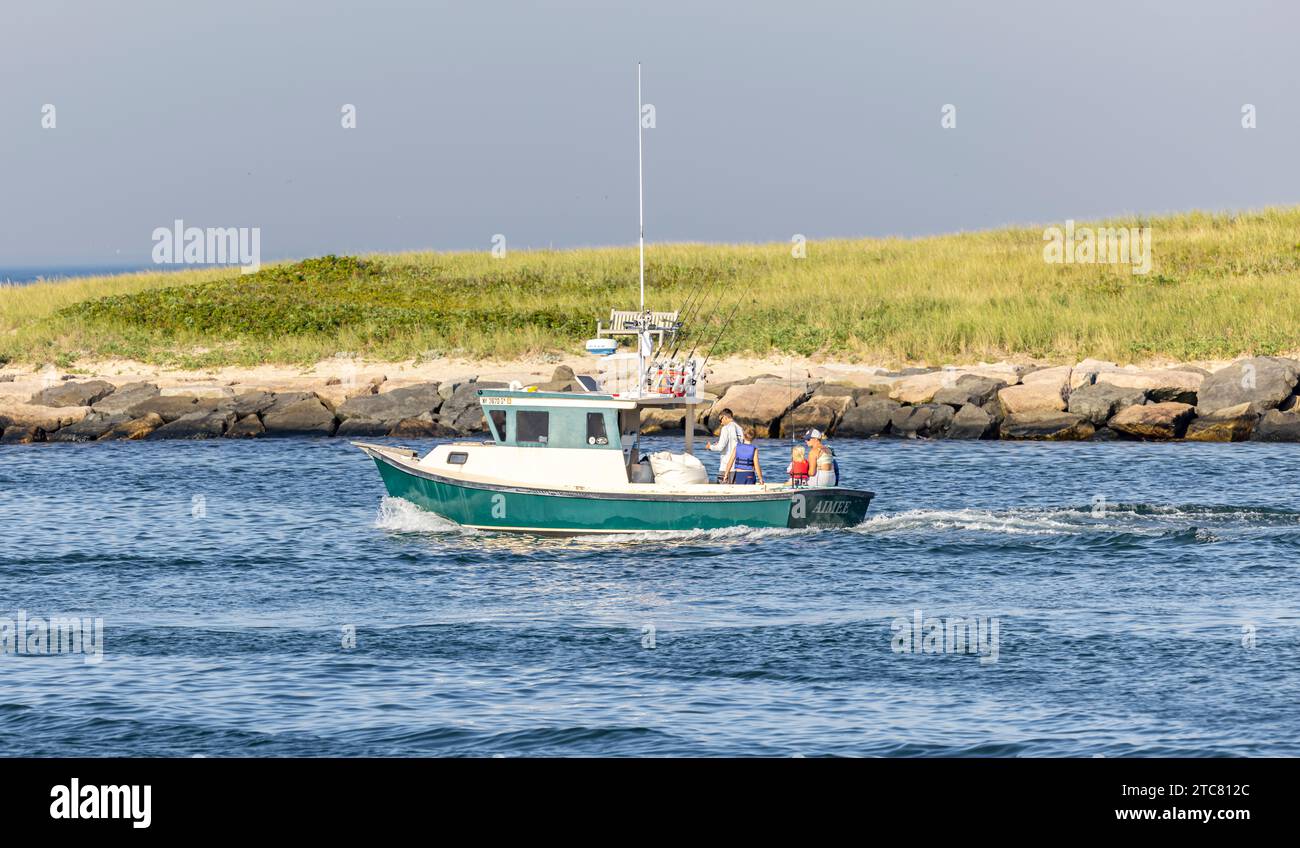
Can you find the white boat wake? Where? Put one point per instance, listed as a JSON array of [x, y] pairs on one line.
[[402, 516], [1138, 519], [1022, 522]]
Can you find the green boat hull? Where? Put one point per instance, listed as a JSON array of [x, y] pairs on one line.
[[509, 508]]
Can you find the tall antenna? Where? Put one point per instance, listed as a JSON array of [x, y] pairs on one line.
[[640, 182]]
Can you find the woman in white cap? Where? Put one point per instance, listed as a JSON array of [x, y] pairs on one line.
[[821, 463]]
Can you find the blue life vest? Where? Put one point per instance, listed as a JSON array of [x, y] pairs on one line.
[[745, 457]]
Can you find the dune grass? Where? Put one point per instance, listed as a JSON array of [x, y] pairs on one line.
[[1221, 285]]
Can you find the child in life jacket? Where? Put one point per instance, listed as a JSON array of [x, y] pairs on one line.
[[798, 469]]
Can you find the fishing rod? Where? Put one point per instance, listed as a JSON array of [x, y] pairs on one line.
[[705, 289], [696, 311], [712, 313], [682, 313], [684, 319], [686, 371], [725, 325], [692, 298], [700, 375]]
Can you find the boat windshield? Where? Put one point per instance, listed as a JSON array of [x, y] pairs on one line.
[[498, 418]]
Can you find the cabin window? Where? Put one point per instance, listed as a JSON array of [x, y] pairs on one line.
[[457, 458], [629, 421], [532, 426], [596, 429], [499, 424]]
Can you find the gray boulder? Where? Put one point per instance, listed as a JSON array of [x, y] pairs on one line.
[[1233, 424], [363, 427], [1262, 381], [1160, 385], [836, 390], [284, 400], [822, 412], [808, 416], [1097, 402], [800, 383], [993, 409], [563, 380], [1278, 427], [19, 434], [720, 389], [970, 422], [969, 389], [1045, 394], [1048, 426], [409, 402], [121, 401], [761, 404], [928, 420], [424, 427], [249, 403], [871, 417], [196, 425], [462, 412], [169, 408], [1165, 420], [87, 429], [48, 418], [73, 394], [304, 417], [248, 427], [136, 428], [878, 392], [449, 387]]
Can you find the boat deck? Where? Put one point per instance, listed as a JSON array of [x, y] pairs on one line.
[[410, 459]]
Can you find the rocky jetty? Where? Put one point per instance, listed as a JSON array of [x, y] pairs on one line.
[[1257, 398], [1252, 399]]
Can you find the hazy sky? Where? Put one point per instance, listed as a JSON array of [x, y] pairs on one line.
[[479, 118]]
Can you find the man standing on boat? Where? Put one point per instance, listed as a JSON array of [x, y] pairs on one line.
[[729, 436]]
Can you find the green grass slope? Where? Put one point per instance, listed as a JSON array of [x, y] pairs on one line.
[[1221, 285]]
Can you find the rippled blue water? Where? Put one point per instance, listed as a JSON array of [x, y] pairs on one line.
[[1123, 578]]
